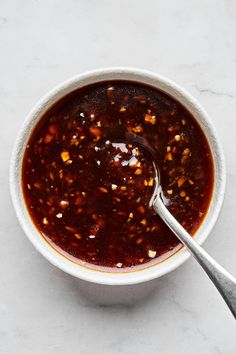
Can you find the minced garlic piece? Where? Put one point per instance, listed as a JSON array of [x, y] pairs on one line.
[[177, 137], [119, 265], [151, 254], [45, 221], [150, 119], [150, 182], [182, 193], [138, 171], [65, 156], [139, 240], [141, 209], [103, 189], [169, 156], [137, 129], [169, 191], [181, 181]]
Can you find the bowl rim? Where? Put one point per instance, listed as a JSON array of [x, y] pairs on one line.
[[100, 75]]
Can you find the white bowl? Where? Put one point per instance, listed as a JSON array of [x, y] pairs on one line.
[[104, 277]]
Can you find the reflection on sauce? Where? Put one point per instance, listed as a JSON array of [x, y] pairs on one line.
[[88, 189]]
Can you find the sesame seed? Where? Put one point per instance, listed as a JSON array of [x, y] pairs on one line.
[[151, 254], [119, 265], [45, 221]]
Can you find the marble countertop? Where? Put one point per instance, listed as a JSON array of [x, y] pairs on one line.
[[43, 310]]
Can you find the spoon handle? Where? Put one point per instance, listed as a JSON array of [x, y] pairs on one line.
[[224, 281]]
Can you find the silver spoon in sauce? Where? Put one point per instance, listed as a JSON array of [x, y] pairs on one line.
[[223, 280]]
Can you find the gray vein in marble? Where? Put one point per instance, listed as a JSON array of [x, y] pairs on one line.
[[214, 92], [3, 21]]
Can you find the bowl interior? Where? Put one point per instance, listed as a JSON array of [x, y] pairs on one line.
[[150, 272]]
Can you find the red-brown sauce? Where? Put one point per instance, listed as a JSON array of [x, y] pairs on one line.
[[88, 190]]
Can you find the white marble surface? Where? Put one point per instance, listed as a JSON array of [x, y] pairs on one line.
[[43, 310]]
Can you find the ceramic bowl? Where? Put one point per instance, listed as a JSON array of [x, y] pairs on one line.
[[133, 276]]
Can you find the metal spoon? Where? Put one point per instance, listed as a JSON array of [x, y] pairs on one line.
[[223, 280]]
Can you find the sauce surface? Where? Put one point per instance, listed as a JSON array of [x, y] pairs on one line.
[[88, 190]]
